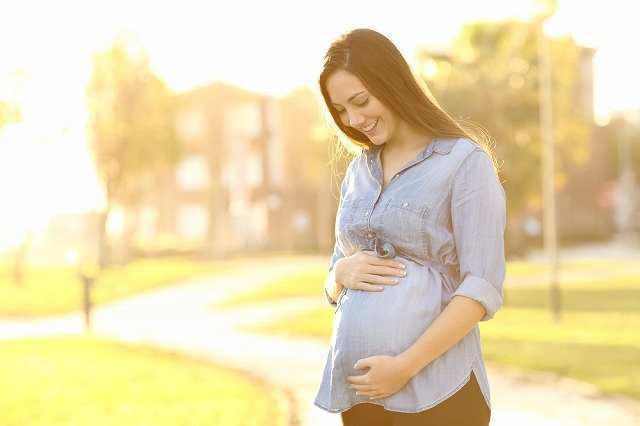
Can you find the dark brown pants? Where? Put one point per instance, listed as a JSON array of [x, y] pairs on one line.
[[466, 407]]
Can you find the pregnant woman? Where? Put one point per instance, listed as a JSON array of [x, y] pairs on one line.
[[419, 253]]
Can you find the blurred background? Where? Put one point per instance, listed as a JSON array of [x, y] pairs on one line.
[[152, 145]]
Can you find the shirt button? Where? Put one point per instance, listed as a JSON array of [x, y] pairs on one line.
[[405, 204], [366, 213]]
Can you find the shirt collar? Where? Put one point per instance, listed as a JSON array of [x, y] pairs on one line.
[[442, 146]]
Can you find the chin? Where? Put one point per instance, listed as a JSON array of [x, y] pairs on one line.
[[378, 141]]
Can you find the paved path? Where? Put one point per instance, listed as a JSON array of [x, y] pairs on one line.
[[180, 318]]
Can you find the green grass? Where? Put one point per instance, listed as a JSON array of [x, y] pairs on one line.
[[613, 369], [580, 274], [596, 341], [56, 290], [78, 381]]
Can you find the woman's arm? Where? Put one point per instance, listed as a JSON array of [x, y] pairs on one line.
[[455, 321], [478, 217]]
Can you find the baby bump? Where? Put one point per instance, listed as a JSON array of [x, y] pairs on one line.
[[387, 322]]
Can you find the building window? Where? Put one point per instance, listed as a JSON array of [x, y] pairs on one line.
[[193, 221], [147, 222], [192, 173], [191, 125]]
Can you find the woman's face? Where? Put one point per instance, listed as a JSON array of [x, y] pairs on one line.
[[359, 109]]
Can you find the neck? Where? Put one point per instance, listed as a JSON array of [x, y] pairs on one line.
[[407, 140]]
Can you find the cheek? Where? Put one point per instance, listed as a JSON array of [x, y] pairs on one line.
[[390, 121]]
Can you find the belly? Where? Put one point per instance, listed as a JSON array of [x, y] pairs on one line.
[[387, 322]]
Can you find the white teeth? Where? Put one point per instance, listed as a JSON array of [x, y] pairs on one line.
[[366, 129]]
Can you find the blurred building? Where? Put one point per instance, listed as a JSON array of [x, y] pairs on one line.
[[224, 195], [230, 192]]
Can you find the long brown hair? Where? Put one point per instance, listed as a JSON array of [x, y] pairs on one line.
[[382, 69]]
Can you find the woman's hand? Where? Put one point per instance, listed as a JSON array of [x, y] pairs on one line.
[[386, 376], [364, 270]]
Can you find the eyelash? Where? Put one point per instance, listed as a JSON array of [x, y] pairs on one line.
[[361, 104]]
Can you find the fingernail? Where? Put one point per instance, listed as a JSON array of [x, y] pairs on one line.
[[404, 273], [379, 288], [403, 266]]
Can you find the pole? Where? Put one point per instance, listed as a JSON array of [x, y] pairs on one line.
[[548, 168], [87, 284]]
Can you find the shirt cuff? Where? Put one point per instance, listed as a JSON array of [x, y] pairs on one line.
[[482, 292]]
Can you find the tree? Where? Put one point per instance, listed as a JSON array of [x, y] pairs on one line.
[[9, 113], [132, 130], [492, 79]]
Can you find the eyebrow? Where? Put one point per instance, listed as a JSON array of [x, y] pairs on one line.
[[352, 96]]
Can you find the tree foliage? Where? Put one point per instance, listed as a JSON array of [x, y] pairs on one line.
[[9, 113], [131, 119], [491, 78], [132, 124]]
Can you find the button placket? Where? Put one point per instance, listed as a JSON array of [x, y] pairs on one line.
[[370, 234], [368, 214]]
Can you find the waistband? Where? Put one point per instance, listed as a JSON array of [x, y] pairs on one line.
[[387, 250]]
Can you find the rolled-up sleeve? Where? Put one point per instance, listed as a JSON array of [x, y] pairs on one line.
[[478, 213]]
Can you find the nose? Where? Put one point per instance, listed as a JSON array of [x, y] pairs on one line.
[[355, 119]]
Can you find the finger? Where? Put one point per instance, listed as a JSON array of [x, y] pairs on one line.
[[382, 261], [378, 396], [363, 388], [358, 380], [369, 287], [377, 279], [385, 271]]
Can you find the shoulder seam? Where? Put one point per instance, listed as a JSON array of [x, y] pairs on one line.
[[465, 158]]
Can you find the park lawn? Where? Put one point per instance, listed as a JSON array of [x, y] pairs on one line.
[[596, 341], [83, 380], [56, 290]]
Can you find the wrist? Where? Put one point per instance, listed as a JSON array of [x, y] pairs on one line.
[[409, 364], [332, 287]]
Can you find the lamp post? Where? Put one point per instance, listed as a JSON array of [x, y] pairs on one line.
[[550, 236], [87, 273], [626, 204]]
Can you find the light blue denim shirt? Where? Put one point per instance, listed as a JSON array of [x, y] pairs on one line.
[[443, 215]]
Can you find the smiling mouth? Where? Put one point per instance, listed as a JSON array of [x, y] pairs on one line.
[[371, 127]]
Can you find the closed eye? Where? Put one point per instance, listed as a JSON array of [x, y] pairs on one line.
[[340, 111]]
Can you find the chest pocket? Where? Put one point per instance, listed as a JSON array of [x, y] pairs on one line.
[[405, 224]]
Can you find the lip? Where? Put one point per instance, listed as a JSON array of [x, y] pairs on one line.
[[373, 129]]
